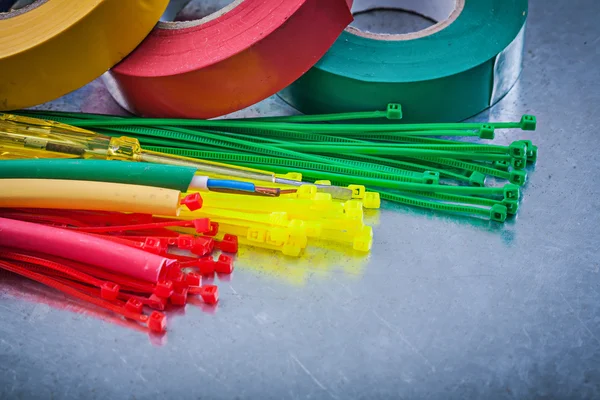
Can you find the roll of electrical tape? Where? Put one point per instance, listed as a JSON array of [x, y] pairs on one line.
[[52, 47], [448, 72], [228, 60]]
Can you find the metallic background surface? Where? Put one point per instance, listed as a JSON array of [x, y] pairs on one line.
[[445, 307]]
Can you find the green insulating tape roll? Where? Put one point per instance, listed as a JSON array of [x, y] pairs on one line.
[[446, 73], [145, 174]]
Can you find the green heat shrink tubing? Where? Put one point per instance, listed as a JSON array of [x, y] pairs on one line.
[[145, 174]]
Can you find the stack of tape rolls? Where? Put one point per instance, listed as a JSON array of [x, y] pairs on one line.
[[226, 61], [51, 47], [451, 71], [252, 49]]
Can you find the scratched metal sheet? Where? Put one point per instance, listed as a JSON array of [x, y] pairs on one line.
[[444, 307]]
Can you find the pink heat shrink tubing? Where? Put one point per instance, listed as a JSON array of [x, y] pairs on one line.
[[84, 248]]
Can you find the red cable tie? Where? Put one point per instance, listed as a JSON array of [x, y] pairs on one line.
[[156, 322], [109, 289], [193, 279], [202, 225], [209, 293], [192, 201], [164, 289], [214, 229], [157, 302], [228, 244], [198, 245], [134, 305], [91, 290], [43, 219], [179, 297], [205, 265], [126, 282], [224, 265], [91, 218]]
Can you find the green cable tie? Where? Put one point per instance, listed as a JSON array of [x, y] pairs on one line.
[[519, 149], [509, 191], [526, 123], [418, 167], [319, 170], [517, 177], [221, 141], [497, 212], [393, 151], [394, 111], [357, 163]]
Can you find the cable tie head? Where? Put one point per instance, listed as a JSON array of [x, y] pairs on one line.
[[202, 245], [134, 305], [487, 132], [109, 291], [202, 225], [498, 213], [528, 122], [192, 201], [156, 302], [210, 294], [477, 179], [532, 151], [518, 177], [372, 200], [164, 289], [179, 297], [154, 246], [512, 206], [206, 266], [224, 264], [394, 111], [185, 242], [518, 163], [229, 244], [358, 191], [502, 165], [193, 279], [431, 178], [518, 149], [157, 322], [512, 192], [213, 229]]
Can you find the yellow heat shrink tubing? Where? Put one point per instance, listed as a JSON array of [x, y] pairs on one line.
[[52, 47], [87, 195]]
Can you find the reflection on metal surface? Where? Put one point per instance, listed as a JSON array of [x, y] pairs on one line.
[[15, 286], [320, 261], [478, 223], [507, 67]]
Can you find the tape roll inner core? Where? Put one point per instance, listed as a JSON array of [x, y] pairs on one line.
[[223, 7], [445, 12], [23, 8]]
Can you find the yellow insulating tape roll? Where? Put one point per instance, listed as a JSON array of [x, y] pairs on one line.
[[87, 195], [53, 47]]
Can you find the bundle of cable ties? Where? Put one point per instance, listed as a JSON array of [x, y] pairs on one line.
[[170, 192]]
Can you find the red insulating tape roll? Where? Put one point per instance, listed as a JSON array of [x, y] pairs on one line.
[[223, 63]]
